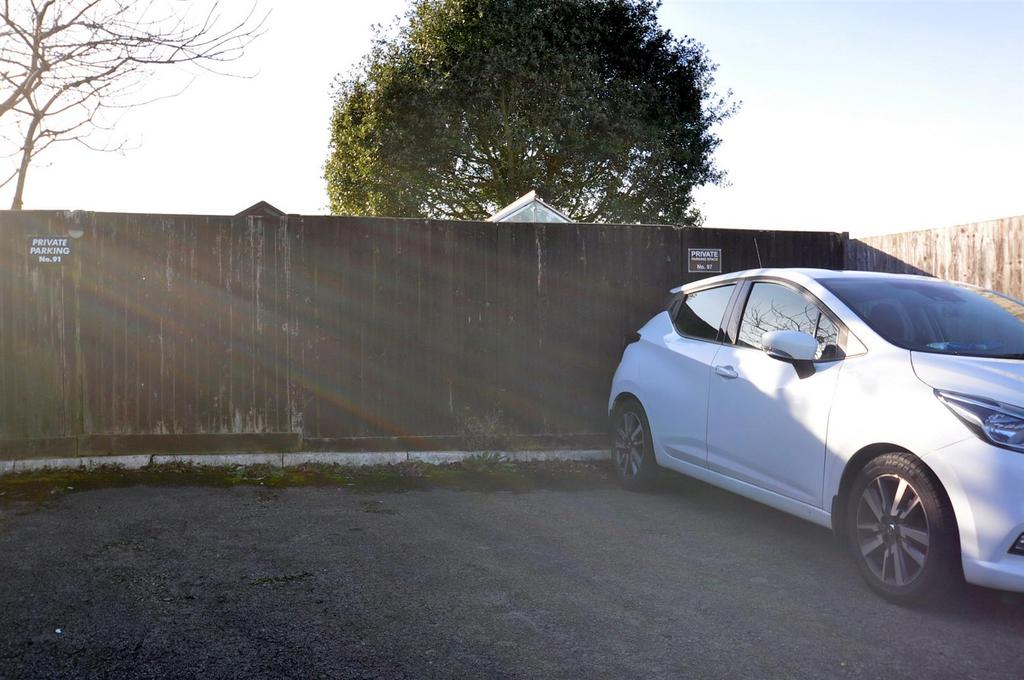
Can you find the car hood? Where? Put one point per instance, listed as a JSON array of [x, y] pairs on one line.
[[999, 379]]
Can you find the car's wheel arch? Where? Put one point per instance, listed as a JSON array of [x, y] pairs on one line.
[[621, 398], [628, 396], [857, 462]]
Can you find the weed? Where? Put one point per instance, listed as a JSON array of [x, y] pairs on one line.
[[489, 461]]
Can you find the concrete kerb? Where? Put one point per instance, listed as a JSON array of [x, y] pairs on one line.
[[560, 454], [337, 458], [218, 459], [135, 462], [83, 462]]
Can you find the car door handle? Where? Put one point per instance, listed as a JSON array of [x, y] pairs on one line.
[[727, 372]]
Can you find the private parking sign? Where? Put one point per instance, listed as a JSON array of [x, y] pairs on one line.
[[49, 249], [704, 260]]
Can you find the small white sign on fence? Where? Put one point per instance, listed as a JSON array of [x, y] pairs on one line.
[[704, 260], [50, 249]]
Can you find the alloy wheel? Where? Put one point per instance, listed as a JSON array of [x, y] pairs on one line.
[[892, 530], [629, 444]]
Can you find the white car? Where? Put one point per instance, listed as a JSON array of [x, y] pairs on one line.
[[888, 408]]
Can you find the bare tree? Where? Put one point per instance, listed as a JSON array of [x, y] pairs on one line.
[[67, 65]]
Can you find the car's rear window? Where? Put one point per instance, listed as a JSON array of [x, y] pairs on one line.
[[700, 314]]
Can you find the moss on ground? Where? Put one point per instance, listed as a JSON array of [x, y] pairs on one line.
[[483, 474]]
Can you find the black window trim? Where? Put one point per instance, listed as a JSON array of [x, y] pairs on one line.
[[676, 302], [733, 329]]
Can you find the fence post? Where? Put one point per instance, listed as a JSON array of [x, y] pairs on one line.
[[77, 225]]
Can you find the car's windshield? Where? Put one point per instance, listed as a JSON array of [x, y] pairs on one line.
[[929, 315]]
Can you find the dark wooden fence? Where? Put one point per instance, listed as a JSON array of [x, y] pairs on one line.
[[158, 331], [988, 254]]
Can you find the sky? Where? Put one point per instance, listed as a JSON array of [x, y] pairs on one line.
[[865, 117]]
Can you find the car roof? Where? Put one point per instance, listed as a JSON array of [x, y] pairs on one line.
[[797, 275]]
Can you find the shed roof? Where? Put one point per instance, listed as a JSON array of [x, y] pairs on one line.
[[529, 208], [261, 209]]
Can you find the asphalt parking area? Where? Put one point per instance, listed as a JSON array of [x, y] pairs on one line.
[[569, 577]]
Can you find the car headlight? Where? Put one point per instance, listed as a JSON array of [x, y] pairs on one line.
[[998, 423]]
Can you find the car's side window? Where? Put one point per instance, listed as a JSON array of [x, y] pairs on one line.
[[699, 315], [827, 336], [774, 307]]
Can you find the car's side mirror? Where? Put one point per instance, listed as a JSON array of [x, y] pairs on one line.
[[790, 346]]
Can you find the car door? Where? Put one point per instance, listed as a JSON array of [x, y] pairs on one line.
[[677, 381], [767, 420]]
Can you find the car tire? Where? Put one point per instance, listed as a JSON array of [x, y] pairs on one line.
[[901, 530], [632, 452]]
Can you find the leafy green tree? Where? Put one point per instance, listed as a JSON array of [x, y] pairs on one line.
[[471, 103]]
